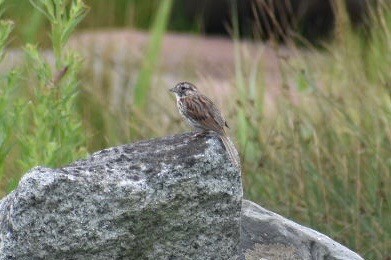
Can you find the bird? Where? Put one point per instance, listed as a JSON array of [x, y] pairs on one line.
[[203, 115]]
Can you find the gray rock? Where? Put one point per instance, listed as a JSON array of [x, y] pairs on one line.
[[171, 198], [267, 235]]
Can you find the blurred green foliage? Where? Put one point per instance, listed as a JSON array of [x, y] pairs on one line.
[[40, 123], [143, 84], [8, 115], [323, 161], [32, 25]]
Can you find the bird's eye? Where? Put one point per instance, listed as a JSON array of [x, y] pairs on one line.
[[183, 87]]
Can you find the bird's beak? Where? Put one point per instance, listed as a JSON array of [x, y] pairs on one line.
[[172, 90]]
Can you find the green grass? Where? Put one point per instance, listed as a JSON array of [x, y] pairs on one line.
[[40, 123], [8, 114], [32, 24], [143, 84], [322, 157], [325, 159]]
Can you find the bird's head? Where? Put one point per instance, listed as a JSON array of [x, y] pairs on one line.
[[184, 89]]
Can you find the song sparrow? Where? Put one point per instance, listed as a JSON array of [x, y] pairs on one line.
[[203, 115]]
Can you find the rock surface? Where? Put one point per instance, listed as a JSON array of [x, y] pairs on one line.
[[171, 198], [267, 235]]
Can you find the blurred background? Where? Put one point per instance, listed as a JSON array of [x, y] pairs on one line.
[[304, 84], [314, 20]]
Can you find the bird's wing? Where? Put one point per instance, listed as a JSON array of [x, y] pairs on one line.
[[202, 110]]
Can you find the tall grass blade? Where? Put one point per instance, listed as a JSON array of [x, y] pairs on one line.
[[144, 80]]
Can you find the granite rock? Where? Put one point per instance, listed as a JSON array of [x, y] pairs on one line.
[[267, 235], [177, 197]]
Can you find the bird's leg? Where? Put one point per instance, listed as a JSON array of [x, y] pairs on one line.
[[201, 133]]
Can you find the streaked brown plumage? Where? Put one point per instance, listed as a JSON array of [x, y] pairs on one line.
[[202, 114]]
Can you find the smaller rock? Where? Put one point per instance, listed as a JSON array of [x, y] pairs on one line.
[[267, 235]]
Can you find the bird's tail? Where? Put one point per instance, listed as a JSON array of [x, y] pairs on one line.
[[231, 150]]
